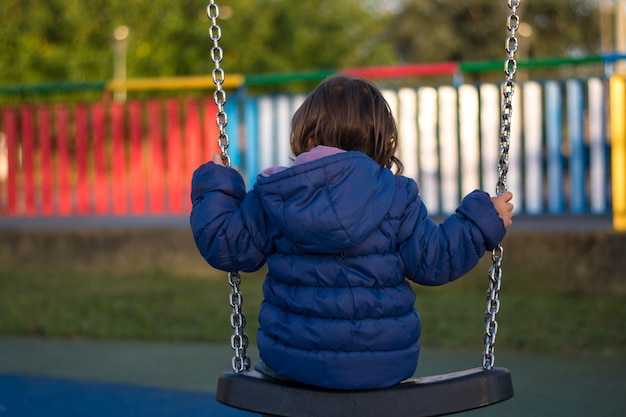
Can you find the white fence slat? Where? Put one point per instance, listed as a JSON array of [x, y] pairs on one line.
[[598, 162], [428, 148], [407, 131], [490, 134], [514, 177], [266, 135], [449, 148], [469, 137], [533, 147], [283, 120]]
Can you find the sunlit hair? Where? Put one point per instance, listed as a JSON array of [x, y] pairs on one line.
[[350, 114]]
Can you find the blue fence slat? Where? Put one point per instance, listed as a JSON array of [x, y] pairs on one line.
[[576, 133], [554, 133], [232, 130], [251, 167]]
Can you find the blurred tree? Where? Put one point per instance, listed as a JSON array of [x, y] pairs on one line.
[[452, 30], [447, 30], [279, 35], [72, 40], [567, 28]]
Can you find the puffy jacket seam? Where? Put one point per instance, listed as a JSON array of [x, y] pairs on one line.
[[332, 206], [326, 318], [319, 349], [369, 287]]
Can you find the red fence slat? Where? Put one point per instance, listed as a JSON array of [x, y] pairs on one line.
[[28, 149], [137, 165], [174, 158], [210, 130], [83, 194], [63, 162], [118, 165], [46, 173], [156, 167], [193, 141], [10, 128], [101, 184]]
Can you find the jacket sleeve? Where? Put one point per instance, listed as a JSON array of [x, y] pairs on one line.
[[228, 224], [437, 254]]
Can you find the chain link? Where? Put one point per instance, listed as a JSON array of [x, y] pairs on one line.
[[217, 54], [495, 271], [239, 339]]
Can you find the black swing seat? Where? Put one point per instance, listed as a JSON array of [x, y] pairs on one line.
[[418, 397]]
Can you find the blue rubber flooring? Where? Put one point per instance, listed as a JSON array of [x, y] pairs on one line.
[[37, 396], [81, 378]]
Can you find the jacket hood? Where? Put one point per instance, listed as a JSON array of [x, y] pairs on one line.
[[329, 204]]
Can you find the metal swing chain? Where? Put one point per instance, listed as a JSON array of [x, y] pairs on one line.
[[495, 271], [217, 54], [239, 339]]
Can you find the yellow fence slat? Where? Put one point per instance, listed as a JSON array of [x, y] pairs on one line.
[[618, 150]]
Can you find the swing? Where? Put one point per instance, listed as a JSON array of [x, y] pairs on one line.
[[435, 395]]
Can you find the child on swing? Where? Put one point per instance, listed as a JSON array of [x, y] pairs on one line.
[[341, 234]]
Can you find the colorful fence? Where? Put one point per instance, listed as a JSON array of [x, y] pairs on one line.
[[104, 158], [449, 142], [137, 158]]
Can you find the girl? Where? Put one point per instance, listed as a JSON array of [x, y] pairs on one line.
[[340, 234]]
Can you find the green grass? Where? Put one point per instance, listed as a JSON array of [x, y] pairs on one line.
[[140, 306], [527, 322], [52, 302]]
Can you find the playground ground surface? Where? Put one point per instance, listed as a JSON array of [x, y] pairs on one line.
[[79, 377], [72, 378]]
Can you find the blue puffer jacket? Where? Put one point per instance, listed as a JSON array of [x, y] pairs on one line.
[[339, 235]]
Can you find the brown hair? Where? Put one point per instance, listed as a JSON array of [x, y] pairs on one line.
[[350, 114]]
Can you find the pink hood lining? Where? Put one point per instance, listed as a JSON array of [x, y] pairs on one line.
[[318, 152]]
